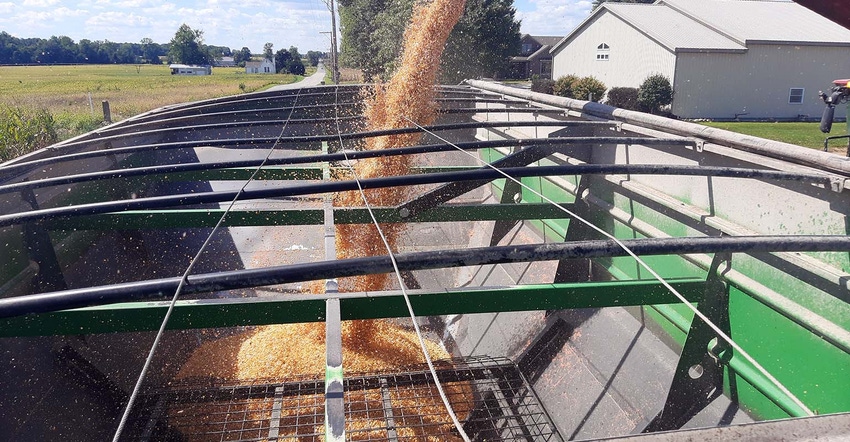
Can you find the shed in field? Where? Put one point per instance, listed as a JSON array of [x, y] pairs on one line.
[[725, 58], [186, 69]]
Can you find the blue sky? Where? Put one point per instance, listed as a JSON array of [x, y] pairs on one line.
[[232, 23]]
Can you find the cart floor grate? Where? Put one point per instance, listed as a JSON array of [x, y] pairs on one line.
[[492, 398]]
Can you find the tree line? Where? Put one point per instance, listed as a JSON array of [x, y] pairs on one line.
[[64, 50], [187, 47]]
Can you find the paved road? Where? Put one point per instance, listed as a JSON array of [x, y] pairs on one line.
[[313, 80]]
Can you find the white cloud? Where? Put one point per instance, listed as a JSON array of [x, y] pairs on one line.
[[38, 3], [553, 17]]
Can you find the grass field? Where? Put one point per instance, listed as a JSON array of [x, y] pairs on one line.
[[801, 134], [130, 89]]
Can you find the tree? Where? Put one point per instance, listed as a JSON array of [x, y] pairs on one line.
[[313, 57], [241, 56], [359, 20], [655, 92], [187, 47], [281, 58], [268, 52], [295, 66], [150, 51], [293, 51], [480, 44]]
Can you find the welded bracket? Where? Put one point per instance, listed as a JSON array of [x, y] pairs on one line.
[[40, 250], [577, 269], [452, 190], [837, 183], [698, 379], [511, 193]]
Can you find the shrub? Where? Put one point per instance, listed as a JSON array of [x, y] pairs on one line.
[[654, 93], [564, 86], [295, 67], [542, 85], [586, 87], [623, 97], [24, 130]]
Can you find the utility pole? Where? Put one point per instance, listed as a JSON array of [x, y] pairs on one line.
[[334, 52]]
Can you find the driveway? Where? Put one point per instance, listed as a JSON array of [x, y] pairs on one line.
[[313, 80]]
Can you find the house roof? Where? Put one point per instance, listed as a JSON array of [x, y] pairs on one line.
[[257, 64], [543, 52], [186, 66], [543, 40], [753, 21], [672, 29], [721, 25]]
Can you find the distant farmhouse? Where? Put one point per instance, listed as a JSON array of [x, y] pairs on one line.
[[186, 69], [225, 62], [725, 58], [534, 58], [265, 66]]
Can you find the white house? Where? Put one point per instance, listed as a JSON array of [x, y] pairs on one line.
[[190, 69], [725, 58], [265, 66]]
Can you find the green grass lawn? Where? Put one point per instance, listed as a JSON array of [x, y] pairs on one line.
[[801, 134]]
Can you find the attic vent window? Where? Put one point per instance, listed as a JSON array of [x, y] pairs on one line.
[[796, 95], [602, 52]]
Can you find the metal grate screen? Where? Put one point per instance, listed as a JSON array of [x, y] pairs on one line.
[[490, 396]]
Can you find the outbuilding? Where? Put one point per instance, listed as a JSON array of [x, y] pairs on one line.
[[726, 59], [187, 69]]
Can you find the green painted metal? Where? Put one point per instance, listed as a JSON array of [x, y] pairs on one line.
[[311, 308], [813, 366], [193, 218]]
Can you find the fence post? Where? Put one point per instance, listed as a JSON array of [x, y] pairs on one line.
[[107, 115]]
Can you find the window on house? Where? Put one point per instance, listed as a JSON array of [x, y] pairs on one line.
[[545, 68], [266, 68], [602, 52], [526, 48], [796, 95]]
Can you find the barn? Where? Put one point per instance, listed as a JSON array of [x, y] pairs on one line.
[[726, 59]]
